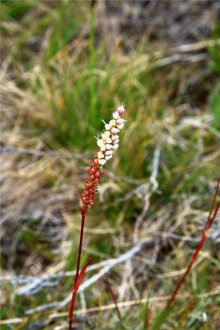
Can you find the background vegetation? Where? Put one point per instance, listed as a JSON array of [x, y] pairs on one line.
[[65, 65]]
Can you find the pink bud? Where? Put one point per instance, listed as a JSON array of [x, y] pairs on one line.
[[120, 110]]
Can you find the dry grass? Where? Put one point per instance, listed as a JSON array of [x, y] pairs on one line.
[[55, 89]]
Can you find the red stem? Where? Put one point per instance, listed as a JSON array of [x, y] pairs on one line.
[[113, 296], [83, 213], [72, 308], [148, 318], [211, 218], [74, 292]]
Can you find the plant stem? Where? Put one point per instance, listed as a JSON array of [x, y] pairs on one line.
[[83, 213], [148, 317], [211, 217], [74, 292], [113, 296]]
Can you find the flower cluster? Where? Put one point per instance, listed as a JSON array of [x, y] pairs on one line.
[[109, 139], [91, 185], [108, 142]]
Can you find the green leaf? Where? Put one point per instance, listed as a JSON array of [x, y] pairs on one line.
[[160, 319]]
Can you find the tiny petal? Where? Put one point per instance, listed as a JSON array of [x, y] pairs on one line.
[[100, 142], [120, 126], [115, 142], [108, 153], [108, 157], [100, 155], [108, 146], [115, 146], [120, 110], [107, 127], [115, 137], [120, 121], [103, 148], [105, 135], [102, 161], [112, 123], [116, 115], [114, 130]]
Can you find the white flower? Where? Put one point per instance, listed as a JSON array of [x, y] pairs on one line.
[[120, 126], [108, 146], [107, 133], [114, 130], [106, 139], [108, 153], [115, 137], [102, 161], [107, 127], [112, 123], [101, 144], [120, 121], [116, 115], [115, 146], [115, 141], [100, 155]]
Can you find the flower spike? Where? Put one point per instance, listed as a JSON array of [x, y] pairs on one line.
[[108, 142]]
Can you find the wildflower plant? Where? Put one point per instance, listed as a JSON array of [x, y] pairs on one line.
[[107, 143]]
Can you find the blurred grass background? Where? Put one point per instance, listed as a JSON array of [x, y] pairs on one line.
[[65, 65]]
